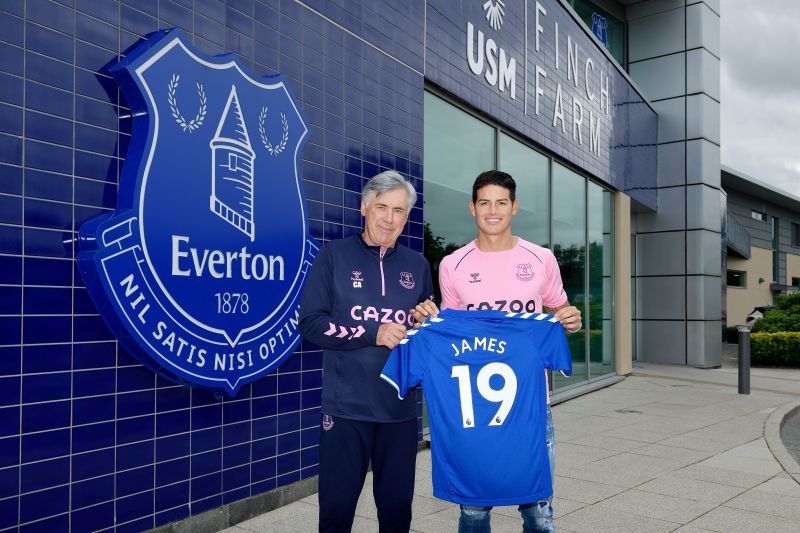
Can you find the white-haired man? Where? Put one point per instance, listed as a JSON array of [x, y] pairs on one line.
[[357, 305]]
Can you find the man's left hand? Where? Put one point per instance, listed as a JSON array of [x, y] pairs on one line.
[[422, 311], [570, 318]]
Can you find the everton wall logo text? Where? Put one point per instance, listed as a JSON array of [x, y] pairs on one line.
[[199, 270]]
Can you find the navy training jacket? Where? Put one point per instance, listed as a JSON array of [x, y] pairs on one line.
[[350, 291]]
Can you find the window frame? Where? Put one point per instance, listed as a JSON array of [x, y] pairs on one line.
[[743, 278]]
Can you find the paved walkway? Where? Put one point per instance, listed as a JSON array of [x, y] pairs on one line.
[[668, 449]]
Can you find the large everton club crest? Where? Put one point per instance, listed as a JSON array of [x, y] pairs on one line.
[[199, 270]]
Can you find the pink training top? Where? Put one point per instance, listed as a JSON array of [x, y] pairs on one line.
[[523, 279]]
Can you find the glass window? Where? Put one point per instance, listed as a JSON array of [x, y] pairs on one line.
[[530, 170], [569, 246], [458, 147], [758, 215], [775, 256], [599, 320], [736, 278], [608, 29], [795, 234], [795, 282]]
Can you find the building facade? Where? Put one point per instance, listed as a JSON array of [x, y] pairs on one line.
[[763, 244], [606, 112]]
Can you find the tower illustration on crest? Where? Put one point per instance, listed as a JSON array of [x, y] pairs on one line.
[[232, 164]]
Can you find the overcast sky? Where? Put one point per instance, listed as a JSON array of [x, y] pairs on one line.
[[761, 90]]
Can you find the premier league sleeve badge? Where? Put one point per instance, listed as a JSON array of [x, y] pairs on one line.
[[200, 269]]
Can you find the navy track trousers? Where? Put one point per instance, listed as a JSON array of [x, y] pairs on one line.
[[346, 449]]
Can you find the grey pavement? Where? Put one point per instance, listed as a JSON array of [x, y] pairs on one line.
[[667, 449]]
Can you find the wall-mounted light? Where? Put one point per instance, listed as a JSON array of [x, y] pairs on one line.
[[760, 281]]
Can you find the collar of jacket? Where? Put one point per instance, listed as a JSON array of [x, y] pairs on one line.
[[376, 250]]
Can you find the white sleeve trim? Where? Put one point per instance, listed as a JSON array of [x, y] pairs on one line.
[[388, 380]]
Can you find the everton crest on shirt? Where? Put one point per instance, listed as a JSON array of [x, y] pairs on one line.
[[482, 374], [199, 270]]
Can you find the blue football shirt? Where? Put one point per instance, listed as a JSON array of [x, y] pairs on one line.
[[482, 374]]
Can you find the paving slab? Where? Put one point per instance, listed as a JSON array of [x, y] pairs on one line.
[[727, 519], [667, 449]]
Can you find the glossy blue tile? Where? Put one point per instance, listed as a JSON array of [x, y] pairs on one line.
[[10, 239], [173, 471], [49, 42], [288, 463], [93, 464], [173, 447], [9, 482], [92, 437], [9, 512], [95, 113], [43, 271], [49, 71], [206, 486], [41, 329], [289, 401], [206, 463], [234, 455], [10, 152], [96, 166], [107, 11], [94, 355], [48, 157], [135, 378], [45, 474], [10, 119], [12, 28], [288, 442], [10, 361], [93, 58], [96, 32], [51, 14], [172, 496], [45, 445], [204, 504], [135, 480], [11, 59], [49, 243], [91, 328], [172, 423], [44, 416], [47, 185], [45, 387], [50, 129], [10, 300], [132, 507], [49, 215], [10, 387], [137, 22], [92, 491], [94, 382], [91, 410], [136, 404], [205, 417], [135, 429], [264, 448], [96, 518], [135, 455]]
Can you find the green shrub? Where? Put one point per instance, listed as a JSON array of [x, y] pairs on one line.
[[784, 317], [775, 349]]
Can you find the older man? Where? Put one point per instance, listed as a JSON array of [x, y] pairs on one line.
[[357, 305]]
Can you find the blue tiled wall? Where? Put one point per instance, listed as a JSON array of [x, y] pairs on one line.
[[89, 439]]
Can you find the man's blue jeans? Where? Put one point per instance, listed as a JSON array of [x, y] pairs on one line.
[[536, 517]]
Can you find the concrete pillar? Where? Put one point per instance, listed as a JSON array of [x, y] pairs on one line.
[[622, 288], [674, 50]]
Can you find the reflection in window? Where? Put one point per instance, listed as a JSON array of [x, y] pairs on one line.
[[599, 319], [569, 246], [529, 169], [458, 147]]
